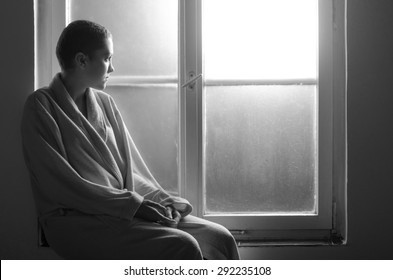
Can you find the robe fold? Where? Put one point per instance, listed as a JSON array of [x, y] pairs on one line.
[[90, 163]]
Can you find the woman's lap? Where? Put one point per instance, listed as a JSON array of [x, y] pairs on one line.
[[80, 236]]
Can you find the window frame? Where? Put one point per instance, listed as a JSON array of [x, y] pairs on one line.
[[51, 17], [331, 138]]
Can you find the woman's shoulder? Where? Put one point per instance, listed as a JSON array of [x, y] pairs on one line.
[[40, 97], [37, 105]]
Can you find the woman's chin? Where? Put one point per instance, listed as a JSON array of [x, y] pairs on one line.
[[100, 86]]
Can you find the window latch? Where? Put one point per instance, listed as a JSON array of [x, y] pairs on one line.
[[192, 80]]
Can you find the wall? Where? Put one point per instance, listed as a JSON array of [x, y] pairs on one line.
[[370, 135], [17, 216]]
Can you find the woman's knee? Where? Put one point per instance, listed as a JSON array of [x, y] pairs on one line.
[[187, 246], [215, 240], [220, 234], [227, 236]]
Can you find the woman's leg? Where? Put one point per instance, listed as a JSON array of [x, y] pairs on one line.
[[78, 236]]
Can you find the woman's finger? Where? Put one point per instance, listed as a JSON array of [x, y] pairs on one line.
[[161, 209], [176, 216], [168, 211]]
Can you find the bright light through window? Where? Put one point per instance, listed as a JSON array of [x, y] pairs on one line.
[[260, 138], [260, 39]]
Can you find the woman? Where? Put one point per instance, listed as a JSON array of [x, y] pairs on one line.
[[95, 197]]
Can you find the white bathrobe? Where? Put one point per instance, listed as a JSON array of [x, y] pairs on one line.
[[90, 167]]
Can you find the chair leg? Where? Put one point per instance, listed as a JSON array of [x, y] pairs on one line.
[[42, 242]]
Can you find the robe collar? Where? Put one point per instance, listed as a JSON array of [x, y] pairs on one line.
[[95, 116], [94, 126]]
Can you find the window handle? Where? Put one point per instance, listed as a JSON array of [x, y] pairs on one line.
[[192, 80]]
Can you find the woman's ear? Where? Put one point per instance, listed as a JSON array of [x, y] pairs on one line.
[[80, 60]]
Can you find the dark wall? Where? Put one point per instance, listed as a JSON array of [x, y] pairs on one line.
[[18, 221], [370, 127], [370, 136]]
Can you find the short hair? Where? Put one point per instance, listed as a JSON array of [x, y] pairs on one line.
[[79, 36]]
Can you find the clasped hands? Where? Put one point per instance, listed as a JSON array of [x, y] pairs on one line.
[[155, 212]]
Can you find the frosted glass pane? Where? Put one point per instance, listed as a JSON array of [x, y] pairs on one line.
[[151, 115], [144, 32], [260, 39], [260, 149]]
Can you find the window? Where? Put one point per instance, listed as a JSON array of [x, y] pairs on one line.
[[237, 105]]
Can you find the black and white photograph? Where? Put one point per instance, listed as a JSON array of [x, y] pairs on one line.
[[186, 130]]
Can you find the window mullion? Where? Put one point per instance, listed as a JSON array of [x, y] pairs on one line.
[[190, 102], [253, 82], [118, 80]]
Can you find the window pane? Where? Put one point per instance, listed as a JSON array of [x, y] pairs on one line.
[[151, 115], [260, 149], [144, 31], [260, 39]]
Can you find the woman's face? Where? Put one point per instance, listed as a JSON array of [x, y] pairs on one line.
[[99, 65]]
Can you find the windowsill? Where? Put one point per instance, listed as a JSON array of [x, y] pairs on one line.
[[334, 241]]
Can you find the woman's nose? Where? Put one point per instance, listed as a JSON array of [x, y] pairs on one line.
[[111, 68]]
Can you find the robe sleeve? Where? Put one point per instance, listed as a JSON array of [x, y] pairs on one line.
[[143, 180], [55, 183]]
